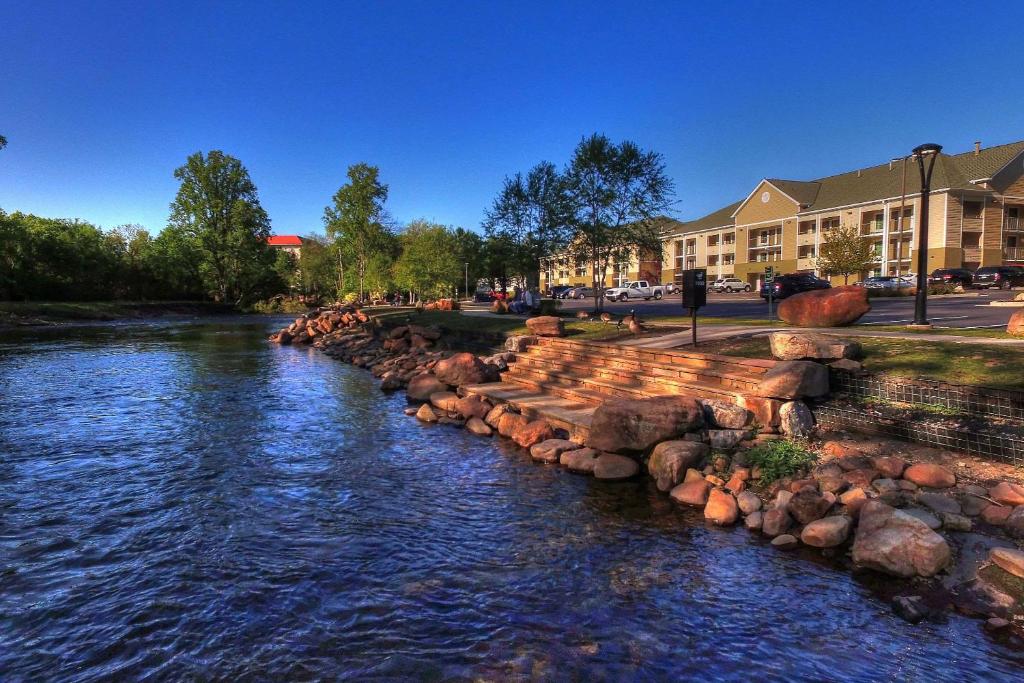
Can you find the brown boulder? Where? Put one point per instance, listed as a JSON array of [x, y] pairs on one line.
[[670, 460], [775, 521], [423, 385], [807, 505], [552, 449], [508, 423], [494, 416], [1007, 493], [996, 515], [462, 368], [691, 493], [794, 379], [634, 425], [854, 500], [472, 406], [891, 541], [889, 466], [445, 400], [1008, 559], [615, 467], [932, 476], [811, 346], [721, 508], [579, 460], [860, 478], [477, 426], [1015, 327], [764, 410], [827, 532], [835, 307], [426, 413], [546, 326], [531, 433]]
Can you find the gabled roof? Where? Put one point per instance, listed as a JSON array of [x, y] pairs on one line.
[[722, 218], [284, 241], [802, 192], [988, 161]]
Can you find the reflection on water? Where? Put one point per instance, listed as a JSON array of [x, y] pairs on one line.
[[187, 501]]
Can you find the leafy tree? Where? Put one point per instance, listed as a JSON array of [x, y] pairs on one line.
[[844, 251], [499, 251], [616, 191], [531, 212], [357, 222], [472, 259], [217, 206], [174, 261], [429, 261], [3, 142]]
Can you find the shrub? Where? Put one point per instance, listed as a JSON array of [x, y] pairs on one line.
[[780, 458], [942, 289], [549, 307]]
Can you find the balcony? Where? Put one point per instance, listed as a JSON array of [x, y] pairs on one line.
[[872, 228], [1013, 224], [1013, 253], [805, 238], [972, 254]]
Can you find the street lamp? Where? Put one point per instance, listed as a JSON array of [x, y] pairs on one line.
[[926, 155], [467, 280]]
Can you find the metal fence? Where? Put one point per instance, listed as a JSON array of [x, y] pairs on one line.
[[966, 400], [1004, 447]]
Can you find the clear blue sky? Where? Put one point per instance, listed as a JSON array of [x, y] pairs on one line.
[[100, 101]]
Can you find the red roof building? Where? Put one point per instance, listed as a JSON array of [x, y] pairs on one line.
[[284, 241]]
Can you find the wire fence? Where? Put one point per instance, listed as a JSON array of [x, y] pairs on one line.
[[1007, 448], [965, 400]]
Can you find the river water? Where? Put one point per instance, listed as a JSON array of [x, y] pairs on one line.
[[184, 501]]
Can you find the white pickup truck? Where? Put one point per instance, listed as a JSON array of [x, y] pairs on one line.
[[636, 290]]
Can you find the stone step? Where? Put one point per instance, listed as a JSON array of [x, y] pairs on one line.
[[671, 358], [563, 413], [597, 389], [573, 364]]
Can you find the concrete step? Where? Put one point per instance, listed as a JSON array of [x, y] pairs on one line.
[[672, 358], [570, 415]]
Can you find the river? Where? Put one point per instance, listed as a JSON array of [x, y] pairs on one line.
[[185, 501]]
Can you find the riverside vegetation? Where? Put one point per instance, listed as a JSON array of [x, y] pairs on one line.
[[882, 506]]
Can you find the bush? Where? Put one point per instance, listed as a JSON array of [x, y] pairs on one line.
[[549, 307], [280, 304], [942, 289], [780, 458]]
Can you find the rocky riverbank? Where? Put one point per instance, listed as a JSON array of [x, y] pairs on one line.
[[915, 514]]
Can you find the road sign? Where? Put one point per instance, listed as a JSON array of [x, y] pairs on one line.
[[769, 274], [695, 294]]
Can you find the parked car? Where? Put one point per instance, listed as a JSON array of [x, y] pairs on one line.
[[883, 282], [730, 284], [951, 276], [1000, 277], [635, 290], [579, 293], [557, 291], [670, 288], [793, 283]]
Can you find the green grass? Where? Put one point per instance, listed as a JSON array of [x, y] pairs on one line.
[[58, 311], [778, 459], [974, 364], [510, 325], [992, 332]]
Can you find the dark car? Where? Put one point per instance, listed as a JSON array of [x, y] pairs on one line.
[[1000, 277], [951, 276], [788, 285], [558, 291]]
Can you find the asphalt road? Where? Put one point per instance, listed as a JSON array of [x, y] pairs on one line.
[[945, 311]]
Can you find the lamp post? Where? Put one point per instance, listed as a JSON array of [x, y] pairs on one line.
[[926, 155], [467, 280]]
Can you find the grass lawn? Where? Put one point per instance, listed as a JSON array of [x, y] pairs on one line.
[[990, 366], [510, 325], [990, 332]]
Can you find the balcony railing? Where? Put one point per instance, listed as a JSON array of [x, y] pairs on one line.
[[972, 254], [1013, 253], [1013, 223], [873, 228]]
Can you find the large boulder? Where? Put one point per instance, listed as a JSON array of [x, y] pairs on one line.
[[764, 410], [532, 433], [930, 475], [520, 342], [546, 326], [691, 493], [472, 406], [893, 542], [670, 460], [445, 400], [509, 423], [827, 532], [812, 346], [552, 449], [1007, 493], [795, 419], [615, 467], [463, 368], [579, 460], [634, 425], [725, 415], [794, 379], [1016, 325], [721, 508], [835, 307], [494, 416], [423, 385]]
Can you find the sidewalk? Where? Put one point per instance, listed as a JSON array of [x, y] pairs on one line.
[[714, 332]]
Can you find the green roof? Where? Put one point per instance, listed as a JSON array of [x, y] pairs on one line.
[[716, 219]]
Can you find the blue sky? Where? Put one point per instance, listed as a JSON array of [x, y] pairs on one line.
[[100, 101]]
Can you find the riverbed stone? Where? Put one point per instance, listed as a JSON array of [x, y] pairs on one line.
[[510, 422], [936, 502], [811, 346], [776, 521], [421, 386], [795, 419], [753, 520], [794, 379], [494, 416], [785, 542], [721, 508], [827, 532], [748, 502], [1014, 523], [725, 439], [693, 493], [1007, 493], [1008, 559], [472, 406], [580, 460], [463, 368], [931, 520], [808, 505], [725, 415], [889, 466], [532, 433], [972, 505], [861, 479], [477, 426], [893, 542], [635, 425], [426, 413], [671, 459], [996, 515], [930, 475], [551, 450], [614, 467], [854, 500], [954, 522], [445, 400]]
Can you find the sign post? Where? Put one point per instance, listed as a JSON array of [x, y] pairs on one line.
[[769, 280], [695, 294]]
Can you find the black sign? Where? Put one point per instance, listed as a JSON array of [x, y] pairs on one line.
[[769, 275], [695, 288]]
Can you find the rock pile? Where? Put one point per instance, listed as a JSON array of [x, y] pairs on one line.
[[310, 327]]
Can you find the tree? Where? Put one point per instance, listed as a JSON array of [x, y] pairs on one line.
[[844, 251], [3, 142], [472, 259], [357, 222], [532, 213], [616, 191], [429, 261], [217, 206]]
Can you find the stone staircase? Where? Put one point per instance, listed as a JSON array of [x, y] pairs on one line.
[[563, 381]]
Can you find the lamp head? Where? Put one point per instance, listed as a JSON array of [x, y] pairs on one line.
[[927, 149]]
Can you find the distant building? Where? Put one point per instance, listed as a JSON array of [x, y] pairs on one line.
[[290, 243]]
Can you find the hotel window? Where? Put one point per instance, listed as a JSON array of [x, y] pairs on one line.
[[730, 238], [728, 259], [807, 227], [713, 260], [581, 269], [829, 223], [713, 241], [972, 209]]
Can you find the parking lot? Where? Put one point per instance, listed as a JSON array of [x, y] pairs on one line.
[[959, 311]]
